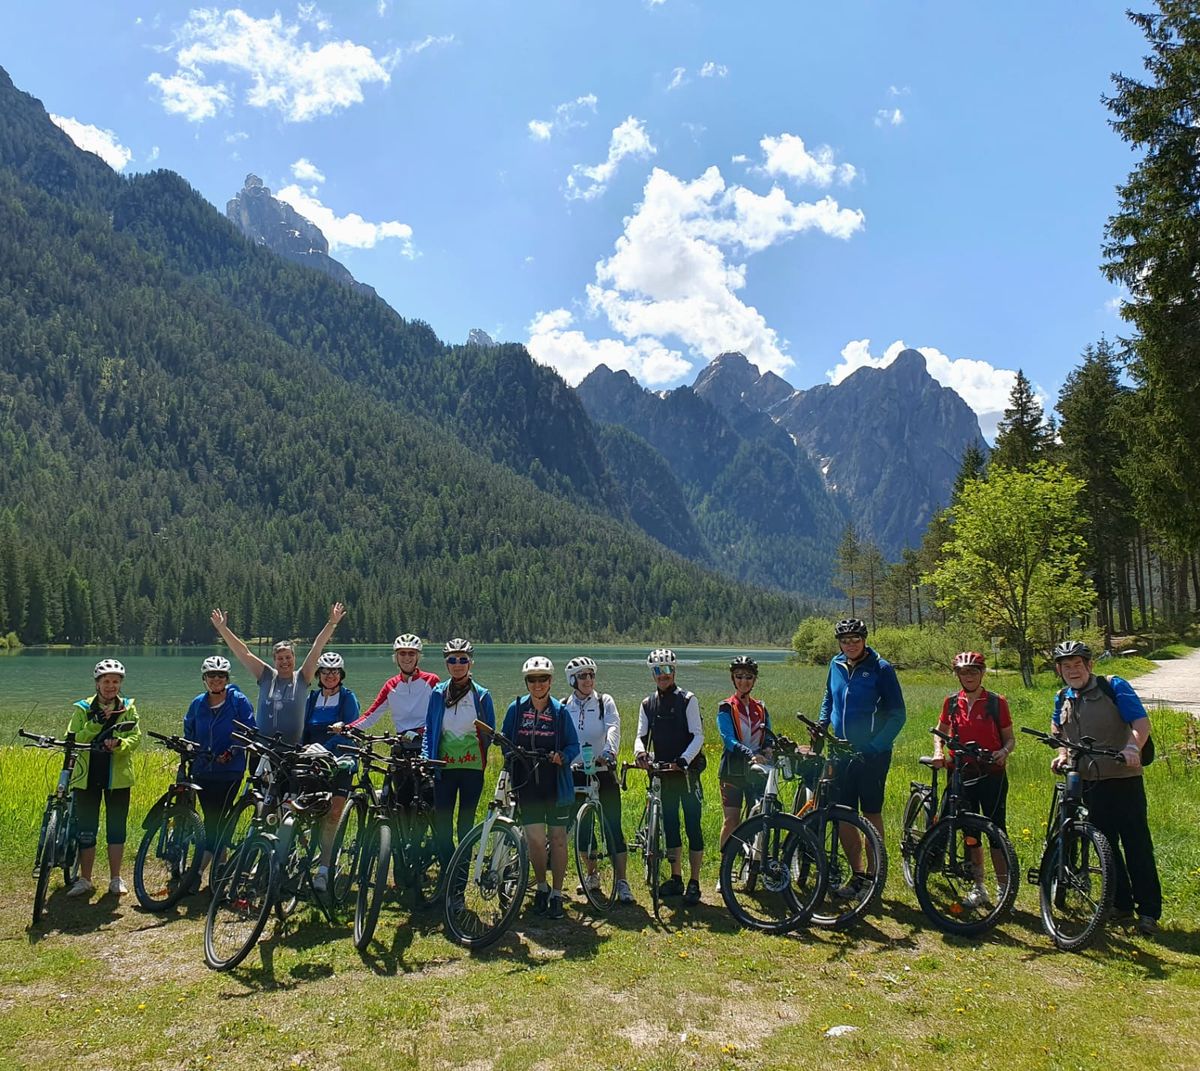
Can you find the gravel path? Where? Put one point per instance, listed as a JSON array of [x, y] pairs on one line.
[[1175, 684]]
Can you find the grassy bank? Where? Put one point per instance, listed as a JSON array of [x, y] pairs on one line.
[[104, 984]]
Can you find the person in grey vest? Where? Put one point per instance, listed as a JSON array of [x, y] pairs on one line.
[[1110, 712]]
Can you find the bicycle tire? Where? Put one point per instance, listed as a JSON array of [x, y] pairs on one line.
[[45, 866], [68, 855], [478, 912], [836, 911], [772, 875], [295, 849], [344, 857], [654, 853], [946, 878], [592, 841], [1075, 911], [915, 823], [373, 873], [168, 859], [235, 828], [241, 904], [425, 864]]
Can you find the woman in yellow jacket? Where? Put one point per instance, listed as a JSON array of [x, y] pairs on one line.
[[109, 722]]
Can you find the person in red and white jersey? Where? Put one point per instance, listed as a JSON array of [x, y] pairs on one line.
[[406, 695]]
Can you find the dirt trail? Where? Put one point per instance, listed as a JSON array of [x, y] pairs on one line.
[[1175, 684]]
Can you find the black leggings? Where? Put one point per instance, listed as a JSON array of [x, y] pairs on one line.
[[465, 786], [87, 814], [216, 801], [682, 791], [610, 803]]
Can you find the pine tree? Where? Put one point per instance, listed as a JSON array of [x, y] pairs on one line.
[[1023, 437]]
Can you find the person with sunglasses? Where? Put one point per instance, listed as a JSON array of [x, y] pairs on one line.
[[282, 691], [450, 735], [545, 788], [745, 728], [669, 726], [211, 720], [599, 726], [406, 695]]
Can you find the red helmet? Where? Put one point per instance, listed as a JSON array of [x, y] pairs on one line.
[[969, 660]]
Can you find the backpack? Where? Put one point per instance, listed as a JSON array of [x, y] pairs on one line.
[[1107, 688], [993, 709]]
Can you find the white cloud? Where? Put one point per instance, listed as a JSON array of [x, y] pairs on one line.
[[787, 155], [300, 79], [1113, 304], [417, 47], [304, 170], [346, 232], [898, 91], [678, 78], [553, 342], [235, 137], [566, 117], [714, 70], [889, 117], [985, 388], [92, 139], [381, 8], [710, 69], [152, 155], [628, 139]]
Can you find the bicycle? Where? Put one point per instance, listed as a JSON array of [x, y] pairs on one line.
[[650, 840], [849, 894], [1075, 879], [592, 842], [169, 857], [950, 859], [58, 840], [773, 872], [398, 838]]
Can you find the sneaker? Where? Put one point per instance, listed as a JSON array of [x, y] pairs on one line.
[[117, 887], [692, 893], [1123, 916], [554, 907], [82, 887], [624, 892], [1147, 924], [541, 900], [321, 880], [673, 886], [853, 888], [977, 897], [717, 887], [591, 883]]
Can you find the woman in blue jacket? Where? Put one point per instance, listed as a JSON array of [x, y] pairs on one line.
[[211, 720]]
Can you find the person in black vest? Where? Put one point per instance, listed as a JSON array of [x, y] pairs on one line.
[[1109, 711], [669, 727]]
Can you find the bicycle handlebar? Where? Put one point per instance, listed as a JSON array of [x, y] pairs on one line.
[[651, 769], [822, 734], [1084, 747], [180, 744], [973, 749], [70, 744], [505, 744]]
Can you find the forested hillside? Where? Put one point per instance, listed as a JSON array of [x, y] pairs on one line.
[[186, 421]]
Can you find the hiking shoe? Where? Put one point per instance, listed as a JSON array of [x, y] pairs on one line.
[[1147, 924], [624, 892], [692, 893], [554, 907], [591, 883], [541, 901], [673, 886], [82, 887], [321, 880], [117, 887], [977, 897], [854, 888]]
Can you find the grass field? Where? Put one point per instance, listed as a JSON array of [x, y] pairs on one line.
[[104, 985]]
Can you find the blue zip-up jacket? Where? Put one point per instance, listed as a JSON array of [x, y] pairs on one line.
[[318, 719], [431, 741], [863, 703], [565, 734], [213, 728]]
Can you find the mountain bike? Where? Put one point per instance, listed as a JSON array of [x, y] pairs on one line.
[[168, 860], [58, 840], [1075, 879], [950, 861], [398, 839], [773, 872], [592, 842], [850, 894], [488, 873], [650, 840]]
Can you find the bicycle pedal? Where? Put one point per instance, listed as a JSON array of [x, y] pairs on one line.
[[1033, 876]]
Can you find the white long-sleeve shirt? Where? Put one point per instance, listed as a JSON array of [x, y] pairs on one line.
[[596, 721]]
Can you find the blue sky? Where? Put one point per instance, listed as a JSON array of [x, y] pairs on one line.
[[650, 182]]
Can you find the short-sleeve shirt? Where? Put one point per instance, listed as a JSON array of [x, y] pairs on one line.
[[975, 725], [281, 706]]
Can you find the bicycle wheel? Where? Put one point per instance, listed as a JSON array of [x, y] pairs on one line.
[[1076, 885], [916, 822], [347, 846], [480, 907], [593, 844], [296, 850], [654, 853], [772, 873], [374, 867], [425, 864], [965, 875], [168, 859], [849, 894], [234, 830], [241, 903], [45, 866]]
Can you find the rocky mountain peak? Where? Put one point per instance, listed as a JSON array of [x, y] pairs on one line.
[[479, 337]]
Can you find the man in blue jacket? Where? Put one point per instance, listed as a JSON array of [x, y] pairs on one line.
[[864, 706]]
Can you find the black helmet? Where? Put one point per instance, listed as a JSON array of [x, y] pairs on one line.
[[744, 661], [850, 626], [1071, 648]]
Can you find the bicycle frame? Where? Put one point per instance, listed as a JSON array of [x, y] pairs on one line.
[[501, 808]]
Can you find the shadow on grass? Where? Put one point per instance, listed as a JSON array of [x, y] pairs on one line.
[[402, 925], [64, 915]]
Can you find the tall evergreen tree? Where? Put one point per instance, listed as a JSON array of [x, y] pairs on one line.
[[848, 577], [973, 463], [1023, 437]]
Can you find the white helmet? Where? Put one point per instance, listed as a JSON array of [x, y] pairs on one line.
[[215, 664], [407, 642], [458, 646], [661, 656], [537, 664], [576, 664], [332, 660], [108, 665]]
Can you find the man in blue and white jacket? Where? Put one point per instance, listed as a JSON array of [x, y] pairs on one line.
[[863, 705]]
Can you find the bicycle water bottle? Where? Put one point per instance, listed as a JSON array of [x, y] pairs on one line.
[[589, 763], [1074, 785]]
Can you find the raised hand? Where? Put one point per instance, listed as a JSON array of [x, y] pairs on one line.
[[336, 612]]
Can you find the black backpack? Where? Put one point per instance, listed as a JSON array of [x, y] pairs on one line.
[[993, 709], [1107, 688]]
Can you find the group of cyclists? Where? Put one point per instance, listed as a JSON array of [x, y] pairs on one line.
[[552, 746]]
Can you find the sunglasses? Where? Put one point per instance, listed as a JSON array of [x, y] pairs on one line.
[[217, 676], [327, 669], [585, 675], [744, 677], [664, 671], [465, 660], [537, 680]]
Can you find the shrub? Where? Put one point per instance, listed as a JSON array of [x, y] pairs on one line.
[[930, 646]]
